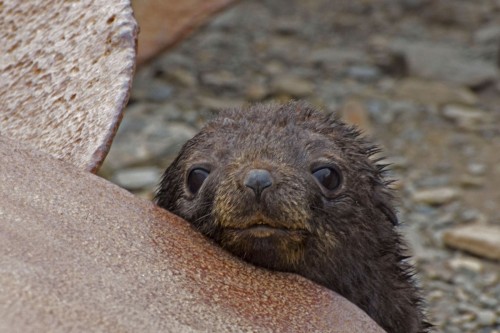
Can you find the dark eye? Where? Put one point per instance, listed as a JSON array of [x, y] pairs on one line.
[[196, 178], [328, 177]]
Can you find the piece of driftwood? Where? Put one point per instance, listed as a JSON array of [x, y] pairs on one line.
[[164, 23], [65, 73], [78, 253]]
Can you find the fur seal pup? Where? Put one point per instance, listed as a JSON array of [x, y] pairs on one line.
[[289, 188]]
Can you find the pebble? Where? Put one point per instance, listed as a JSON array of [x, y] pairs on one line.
[[438, 61], [486, 317], [466, 263], [336, 57], [488, 34], [436, 196], [481, 240], [476, 169], [432, 92], [292, 86], [137, 178], [467, 181], [465, 117], [363, 73], [151, 90], [218, 104]]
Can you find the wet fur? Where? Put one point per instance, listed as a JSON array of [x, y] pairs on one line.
[[345, 240]]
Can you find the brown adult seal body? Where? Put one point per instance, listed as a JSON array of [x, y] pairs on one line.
[[291, 189]]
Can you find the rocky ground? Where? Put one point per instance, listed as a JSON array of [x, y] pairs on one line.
[[419, 76]]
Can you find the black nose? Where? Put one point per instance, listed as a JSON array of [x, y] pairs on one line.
[[258, 180]]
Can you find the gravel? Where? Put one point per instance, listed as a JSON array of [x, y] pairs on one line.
[[420, 76]]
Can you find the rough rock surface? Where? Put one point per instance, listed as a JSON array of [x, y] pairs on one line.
[[164, 23], [79, 254], [65, 74]]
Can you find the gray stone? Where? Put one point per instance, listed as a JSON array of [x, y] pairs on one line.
[[476, 169], [220, 103], [469, 181], [436, 196], [465, 117], [413, 4], [489, 301], [439, 62], [165, 141], [432, 92], [222, 79], [153, 90], [137, 178], [488, 34], [486, 317], [363, 73], [336, 56], [292, 86], [481, 240], [182, 76]]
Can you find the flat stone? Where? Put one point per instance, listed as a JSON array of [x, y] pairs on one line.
[[488, 34], [80, 254], [481, 240], [137, 178], [472, 265], [65, 72], [432, 92], [221, 80], [363, 73], [152, 90], [336, 56], [219, 103], [256, 92], [472, 181], [476, 169], [436, 196], [486, 317], [292, 86], [439, 62], [465, 117]]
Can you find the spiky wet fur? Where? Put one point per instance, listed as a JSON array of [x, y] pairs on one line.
[[346, 241]]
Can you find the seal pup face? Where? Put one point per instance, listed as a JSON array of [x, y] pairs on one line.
[[274, 184]]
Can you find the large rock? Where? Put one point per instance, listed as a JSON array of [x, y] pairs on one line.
[[481, 240], [164, 23], [65, 73], [79, 254]]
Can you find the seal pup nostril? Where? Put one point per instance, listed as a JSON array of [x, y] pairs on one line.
[[258, 180]]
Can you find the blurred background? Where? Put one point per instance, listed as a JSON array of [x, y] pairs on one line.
[[418, 76]]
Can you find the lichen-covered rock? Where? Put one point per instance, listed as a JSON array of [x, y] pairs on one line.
[[65, 73], [79, 254]]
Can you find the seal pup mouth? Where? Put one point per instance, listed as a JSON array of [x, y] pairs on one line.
[[260, 226], [260, 230]]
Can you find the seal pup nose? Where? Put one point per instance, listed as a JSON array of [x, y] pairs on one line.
[[258, 180]]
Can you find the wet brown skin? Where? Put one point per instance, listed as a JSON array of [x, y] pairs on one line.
[[342, 238]]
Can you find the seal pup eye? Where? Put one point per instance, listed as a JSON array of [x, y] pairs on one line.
[[328, 177], [196, 178]]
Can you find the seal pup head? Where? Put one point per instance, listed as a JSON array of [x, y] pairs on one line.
[[281, 185]]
